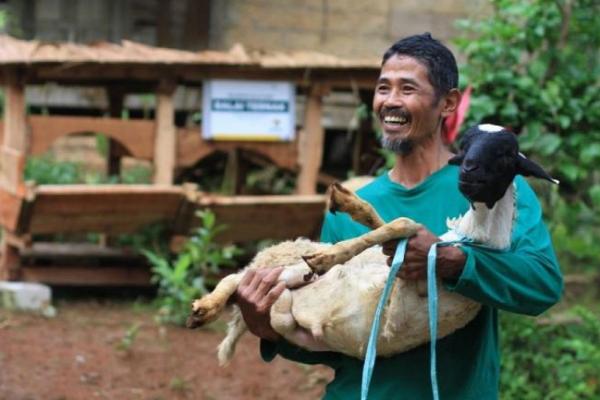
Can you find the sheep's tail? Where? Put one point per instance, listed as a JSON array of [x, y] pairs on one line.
[[235, 329]]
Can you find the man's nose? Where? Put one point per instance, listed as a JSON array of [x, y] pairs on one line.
[[394, 99]]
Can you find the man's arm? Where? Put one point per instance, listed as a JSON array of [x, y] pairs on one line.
[[526, 279]]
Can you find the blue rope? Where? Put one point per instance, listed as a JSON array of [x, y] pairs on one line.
[[369, 363], [432, 302]]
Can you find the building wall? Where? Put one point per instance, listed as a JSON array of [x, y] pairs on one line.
[[342, 27], [349, 28]]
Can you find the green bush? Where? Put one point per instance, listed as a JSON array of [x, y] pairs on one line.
[[533, 66], [46, 170], [189, 274], [552, 361]]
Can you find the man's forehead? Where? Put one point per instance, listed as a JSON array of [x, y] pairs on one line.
[[403, 67]]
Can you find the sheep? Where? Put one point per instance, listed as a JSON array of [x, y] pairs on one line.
[[336, 305]]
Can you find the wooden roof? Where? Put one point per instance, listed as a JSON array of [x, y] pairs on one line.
[[14, 51]]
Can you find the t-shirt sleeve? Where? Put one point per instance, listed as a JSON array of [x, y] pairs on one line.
[[526, 279]]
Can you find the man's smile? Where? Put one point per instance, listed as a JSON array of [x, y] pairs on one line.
[[393, 119]]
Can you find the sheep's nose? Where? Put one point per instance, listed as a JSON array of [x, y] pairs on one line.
[[469, 166]]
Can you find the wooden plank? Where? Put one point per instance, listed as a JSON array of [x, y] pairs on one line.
[[266, 217], [89, 74], [191, 148], [10, 262], [136, 135], [87, 276], [108, 208], [311, 143], [165, 137], [60, 250]]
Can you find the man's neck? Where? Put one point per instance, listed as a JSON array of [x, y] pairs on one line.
[[425, 159]]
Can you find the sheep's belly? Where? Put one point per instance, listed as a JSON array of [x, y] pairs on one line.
[[343, 301]]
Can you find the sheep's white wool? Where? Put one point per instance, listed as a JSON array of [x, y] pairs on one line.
[[490, 128], [492, 227]]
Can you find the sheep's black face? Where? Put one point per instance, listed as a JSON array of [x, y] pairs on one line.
[[489, 161]]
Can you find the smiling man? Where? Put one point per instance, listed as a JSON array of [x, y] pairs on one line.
[[415, 92]]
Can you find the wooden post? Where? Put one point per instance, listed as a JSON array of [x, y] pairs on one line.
[[12, 158], [16, 141], [310, 143], [165, 141], [115, 149]]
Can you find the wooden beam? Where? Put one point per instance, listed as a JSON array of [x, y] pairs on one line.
[[87, 275], [107, 209], [191, 148], [165, 139], [136, 135], [15, 141], [10, 262], [115, 149], [311, 142], [265, 217]]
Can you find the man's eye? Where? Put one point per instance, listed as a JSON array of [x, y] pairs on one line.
[[382, 88], [408, 89]]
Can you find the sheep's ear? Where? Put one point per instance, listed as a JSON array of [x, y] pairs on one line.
[[457, 159], [526, 167]]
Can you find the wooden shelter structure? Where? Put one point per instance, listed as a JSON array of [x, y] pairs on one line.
[[27, 209]]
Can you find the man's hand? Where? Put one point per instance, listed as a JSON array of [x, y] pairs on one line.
[[255, 295], [450, 260]]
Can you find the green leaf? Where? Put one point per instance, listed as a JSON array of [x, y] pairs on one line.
[[595, 194], [548, 143], [590, 153]]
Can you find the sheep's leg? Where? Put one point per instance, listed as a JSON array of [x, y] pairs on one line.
[[283, 322], [235, 329], [341, 252], [210, 306], [342, 199]]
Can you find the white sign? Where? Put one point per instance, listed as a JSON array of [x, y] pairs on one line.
[[248, 110]]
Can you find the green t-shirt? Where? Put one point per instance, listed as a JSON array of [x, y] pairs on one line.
[[525, 279]]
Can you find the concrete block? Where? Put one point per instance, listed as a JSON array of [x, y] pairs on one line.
[[27, 296]]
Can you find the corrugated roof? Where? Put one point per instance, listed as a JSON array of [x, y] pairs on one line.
[[20, 52]]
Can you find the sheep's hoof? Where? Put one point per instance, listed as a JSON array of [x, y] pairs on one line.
[[337, 195], [319, 262], [201, 314]]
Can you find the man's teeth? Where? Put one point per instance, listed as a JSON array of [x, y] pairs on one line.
[[394, 120]]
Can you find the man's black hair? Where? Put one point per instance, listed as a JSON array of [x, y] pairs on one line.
[[437, 58]]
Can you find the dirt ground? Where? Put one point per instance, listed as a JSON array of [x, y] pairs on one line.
[[93, 350]]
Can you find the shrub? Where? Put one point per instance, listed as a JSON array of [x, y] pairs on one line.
[[189, 274], [552, 361], [533, 66]]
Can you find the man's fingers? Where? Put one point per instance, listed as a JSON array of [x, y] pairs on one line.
[[389, 248], [247, 278], [275, 292], [268, 280]]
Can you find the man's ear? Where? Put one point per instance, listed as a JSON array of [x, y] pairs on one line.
[[450, 102]]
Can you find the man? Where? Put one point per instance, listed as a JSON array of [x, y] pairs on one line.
[[415, 92]]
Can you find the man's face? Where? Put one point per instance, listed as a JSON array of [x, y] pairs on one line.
[[406, 105]]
